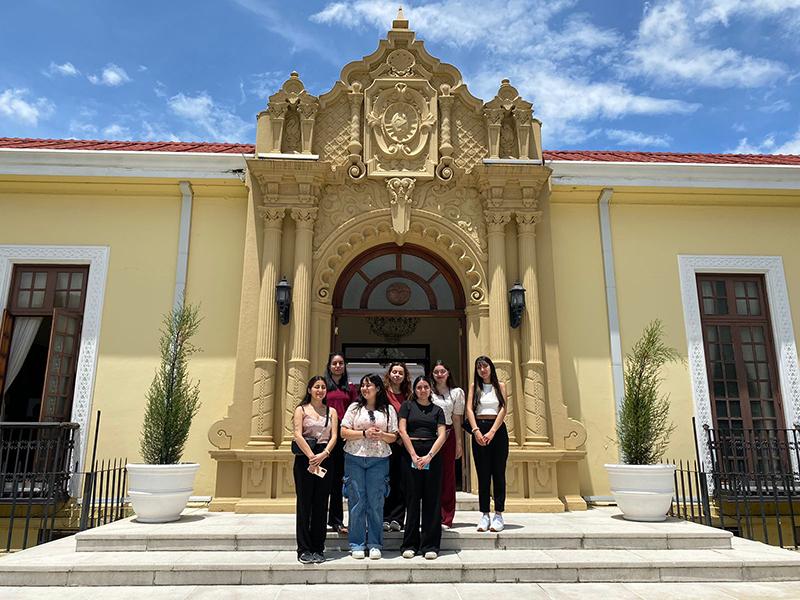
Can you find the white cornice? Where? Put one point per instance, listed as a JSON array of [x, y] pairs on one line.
[[115, 163], [684, 175]]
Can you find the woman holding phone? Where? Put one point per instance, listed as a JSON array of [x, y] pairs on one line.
[[369, 426], [422, 429], [315, 427]]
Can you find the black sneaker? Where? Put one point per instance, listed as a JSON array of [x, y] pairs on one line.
[[306, 558], [318, 558]]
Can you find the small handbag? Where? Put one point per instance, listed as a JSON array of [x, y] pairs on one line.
[[312, 442]]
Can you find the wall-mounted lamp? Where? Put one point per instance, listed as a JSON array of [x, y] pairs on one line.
[[516, 304], [283, 298]]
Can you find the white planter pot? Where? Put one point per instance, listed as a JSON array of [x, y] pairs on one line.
[[159, 493], [642, 492]]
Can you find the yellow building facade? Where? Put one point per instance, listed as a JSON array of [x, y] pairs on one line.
[[401, 211]]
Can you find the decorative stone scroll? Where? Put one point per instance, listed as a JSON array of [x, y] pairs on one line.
[[401, 190], [445, 168]]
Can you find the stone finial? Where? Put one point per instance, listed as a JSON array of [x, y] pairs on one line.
[[400, 21]]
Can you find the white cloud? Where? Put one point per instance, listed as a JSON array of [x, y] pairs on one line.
[[777, 106], [111, 75], [142, 68], [722, 11], [156, 132], [15, 105], [637, 139], [265, 84], [769, 146], [670, 49], [214, 121], [65, 70], [115, 131], [82, 129]]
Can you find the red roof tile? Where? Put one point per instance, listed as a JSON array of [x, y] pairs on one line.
[[567, 155]]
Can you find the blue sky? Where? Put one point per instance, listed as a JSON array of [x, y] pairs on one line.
[[671, 75]]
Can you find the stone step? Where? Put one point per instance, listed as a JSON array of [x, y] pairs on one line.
[[201, 530], [57, 563]]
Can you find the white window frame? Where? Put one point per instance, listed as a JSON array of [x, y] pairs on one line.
[[771, 267], [97, 259]]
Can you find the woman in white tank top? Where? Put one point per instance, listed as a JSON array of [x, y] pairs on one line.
[[486, 411]]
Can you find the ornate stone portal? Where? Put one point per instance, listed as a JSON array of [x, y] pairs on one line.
[[398, 151]]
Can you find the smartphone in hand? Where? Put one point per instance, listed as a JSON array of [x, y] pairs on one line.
[[320, 472]]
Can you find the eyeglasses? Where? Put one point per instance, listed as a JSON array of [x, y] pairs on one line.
[[442, 372]]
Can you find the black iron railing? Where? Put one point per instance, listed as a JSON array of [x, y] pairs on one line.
[[749, 484], [35, 469]]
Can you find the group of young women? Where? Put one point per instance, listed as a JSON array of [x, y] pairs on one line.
[[390, 447]]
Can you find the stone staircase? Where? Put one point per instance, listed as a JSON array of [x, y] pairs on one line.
[[206, 548]]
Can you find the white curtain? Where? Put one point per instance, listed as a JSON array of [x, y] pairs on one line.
[[22, 336]]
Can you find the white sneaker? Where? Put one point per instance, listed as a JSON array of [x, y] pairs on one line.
[[445, 527], [359, 554], [374, 553], [483, 524], [431, 555], [386, 526], [409, 554], [497, 523]]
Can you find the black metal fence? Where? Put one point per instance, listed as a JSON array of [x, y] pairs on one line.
[[752, 487], [37, 470]]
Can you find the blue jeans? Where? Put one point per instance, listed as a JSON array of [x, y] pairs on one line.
[[366, 483]]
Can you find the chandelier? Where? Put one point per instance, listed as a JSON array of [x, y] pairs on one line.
[[392, 329]]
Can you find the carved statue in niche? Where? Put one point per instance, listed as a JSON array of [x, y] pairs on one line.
[[508, 141], [290, 144]]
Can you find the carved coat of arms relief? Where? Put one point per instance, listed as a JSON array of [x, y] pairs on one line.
[[400, 128]]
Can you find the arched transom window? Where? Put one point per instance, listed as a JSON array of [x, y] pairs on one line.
[[402, 279]]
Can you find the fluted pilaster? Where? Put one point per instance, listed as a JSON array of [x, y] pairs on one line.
[[267, 334], [300, 359], [500, 338], [532, 366]]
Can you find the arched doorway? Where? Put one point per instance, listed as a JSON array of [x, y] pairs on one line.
[[399, 303]]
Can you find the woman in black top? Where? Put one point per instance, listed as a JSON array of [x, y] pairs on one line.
[[422, 428]]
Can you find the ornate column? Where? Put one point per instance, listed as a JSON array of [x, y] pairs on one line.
[[499, 337], [267, 334], [532, 367], [355, 165], [299, 358]]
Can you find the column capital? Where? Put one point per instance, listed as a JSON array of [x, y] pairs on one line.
[[527, 221], [496, 220], [304, 217], [272, 216]]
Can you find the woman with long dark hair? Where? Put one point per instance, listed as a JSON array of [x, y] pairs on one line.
[[315, 431], [450, 399], [423, 432], [398, 389], [486, 411], [369, 426], [341, 394]]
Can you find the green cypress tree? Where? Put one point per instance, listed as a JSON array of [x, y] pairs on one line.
[[172, 400], [643, 425]]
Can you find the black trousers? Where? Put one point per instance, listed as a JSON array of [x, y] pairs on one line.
[[335, 466], [312, 503], [423, 531], [394, 507], [490, 464]]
